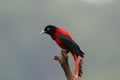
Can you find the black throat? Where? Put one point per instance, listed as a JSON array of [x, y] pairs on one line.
[[52, 35]]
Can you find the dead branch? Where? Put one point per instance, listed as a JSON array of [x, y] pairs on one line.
[[63, 60]]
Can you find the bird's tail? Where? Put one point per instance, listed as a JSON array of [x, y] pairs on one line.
[[82, 54], [75, 57]]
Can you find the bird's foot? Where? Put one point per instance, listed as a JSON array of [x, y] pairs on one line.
[[65, 50]]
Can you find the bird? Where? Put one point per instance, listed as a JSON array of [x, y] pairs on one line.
[[65, 41]]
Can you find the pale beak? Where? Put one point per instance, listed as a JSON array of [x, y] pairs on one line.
[[42, 32]]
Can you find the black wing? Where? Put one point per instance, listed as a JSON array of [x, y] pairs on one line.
[[71, 45]]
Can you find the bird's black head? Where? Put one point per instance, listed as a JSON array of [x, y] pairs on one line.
[[50, 29]]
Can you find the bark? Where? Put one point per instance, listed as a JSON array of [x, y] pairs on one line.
[[63, 60]]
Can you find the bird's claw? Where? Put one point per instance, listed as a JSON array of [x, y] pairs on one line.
[[65, 50]]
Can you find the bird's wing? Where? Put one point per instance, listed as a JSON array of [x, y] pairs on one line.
[[70, 45]]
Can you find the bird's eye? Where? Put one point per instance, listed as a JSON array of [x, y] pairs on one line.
[[48, 29]]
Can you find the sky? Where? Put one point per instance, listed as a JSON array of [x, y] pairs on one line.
[[27, 55]]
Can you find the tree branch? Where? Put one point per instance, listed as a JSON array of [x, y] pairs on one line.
[[63, 60]]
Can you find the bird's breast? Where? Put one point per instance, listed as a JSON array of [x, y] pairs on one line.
[[60, 44], [57, 39]]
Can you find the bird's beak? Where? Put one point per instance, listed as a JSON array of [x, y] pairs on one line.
[[42, 32]]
